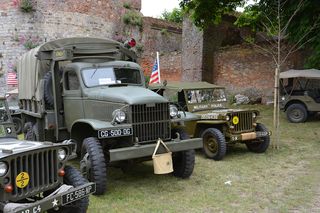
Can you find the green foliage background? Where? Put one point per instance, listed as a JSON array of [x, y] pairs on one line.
[[262, 15]]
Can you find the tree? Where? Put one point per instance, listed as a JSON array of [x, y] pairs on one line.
[[176, 15], [207, 12], [299, 23]]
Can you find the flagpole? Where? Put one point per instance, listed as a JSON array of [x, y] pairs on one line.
[[158, 61]]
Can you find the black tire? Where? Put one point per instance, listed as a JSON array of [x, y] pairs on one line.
[[93, 165], [73, 177], [48, 93], [214, 144], [259, 145], [17, 124], [183, 162], [297, 113]]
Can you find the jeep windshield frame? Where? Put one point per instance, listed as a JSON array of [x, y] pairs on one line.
[[205, 99], [106, 76], [4, 112], [204, 96]]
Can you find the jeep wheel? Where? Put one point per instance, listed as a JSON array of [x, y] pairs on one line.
[[183, 162], [73, 177], [214, 144], [17, 124], [259, 145], [297, 113], [93, 164]]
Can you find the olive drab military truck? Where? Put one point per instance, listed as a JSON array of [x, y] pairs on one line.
[[300, 94], [92, 91], [34, 176], [218, 125]]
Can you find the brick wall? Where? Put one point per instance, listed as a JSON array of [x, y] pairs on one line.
[[243, 67], [58, 19], [164, 37], [219, 55]]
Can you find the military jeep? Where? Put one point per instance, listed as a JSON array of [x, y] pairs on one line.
[[34, 176], [300, 94], [218, 125]]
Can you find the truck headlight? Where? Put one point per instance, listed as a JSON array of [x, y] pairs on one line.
[[227, 118], [173, 111], [119, 115], [283, 98], [254, 114], [62, 154], [3, 168]]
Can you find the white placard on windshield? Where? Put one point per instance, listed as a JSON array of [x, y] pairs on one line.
[[106, 81]]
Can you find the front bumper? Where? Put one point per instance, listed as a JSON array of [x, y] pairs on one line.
[[249, 136], [145, 150], [64, 195]]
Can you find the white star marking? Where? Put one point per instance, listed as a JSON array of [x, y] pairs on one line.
[[54, 202]]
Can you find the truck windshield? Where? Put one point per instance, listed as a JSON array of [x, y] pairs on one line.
[[93, 77], [206, 96]]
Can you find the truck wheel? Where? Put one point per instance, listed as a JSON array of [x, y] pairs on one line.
[[297, 113], [259, 145], [17, 124], [93, 164], [73, 177], [214, 144], [48, 93], [183, 162]]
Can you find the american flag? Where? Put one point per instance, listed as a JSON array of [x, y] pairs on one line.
[[155, 74], [12, 78]]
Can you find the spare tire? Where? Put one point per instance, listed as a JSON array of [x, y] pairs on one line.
[[48, 92]]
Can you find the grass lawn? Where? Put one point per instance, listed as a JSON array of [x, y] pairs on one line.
[[285, 180]]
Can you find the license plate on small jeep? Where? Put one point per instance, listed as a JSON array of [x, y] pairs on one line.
[[78, 194], [262, 134], [110, 133]]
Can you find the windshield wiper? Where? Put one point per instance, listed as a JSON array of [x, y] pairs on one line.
[[94, 72]]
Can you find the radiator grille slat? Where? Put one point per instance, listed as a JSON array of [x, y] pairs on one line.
[[151, 122], [245, 122]]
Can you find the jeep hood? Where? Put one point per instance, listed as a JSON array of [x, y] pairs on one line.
[[124, 94], [221, 111], [11, 146]]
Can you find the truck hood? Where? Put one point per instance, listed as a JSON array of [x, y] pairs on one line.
[[125, 94]]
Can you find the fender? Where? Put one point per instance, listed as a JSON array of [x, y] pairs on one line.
[[103, 129]]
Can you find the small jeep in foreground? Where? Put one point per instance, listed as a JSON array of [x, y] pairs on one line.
[[34, 176], [218, 125], [300, 94]]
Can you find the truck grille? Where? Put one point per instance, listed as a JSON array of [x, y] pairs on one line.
[[42, 168], [151, 122], [245, 122]]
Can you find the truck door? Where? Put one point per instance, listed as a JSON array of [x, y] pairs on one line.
[[72, 98]]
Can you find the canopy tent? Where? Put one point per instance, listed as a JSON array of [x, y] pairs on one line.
[[308, 73]]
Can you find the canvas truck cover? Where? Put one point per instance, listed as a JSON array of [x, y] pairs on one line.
[[35, 63], [309, 73]]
